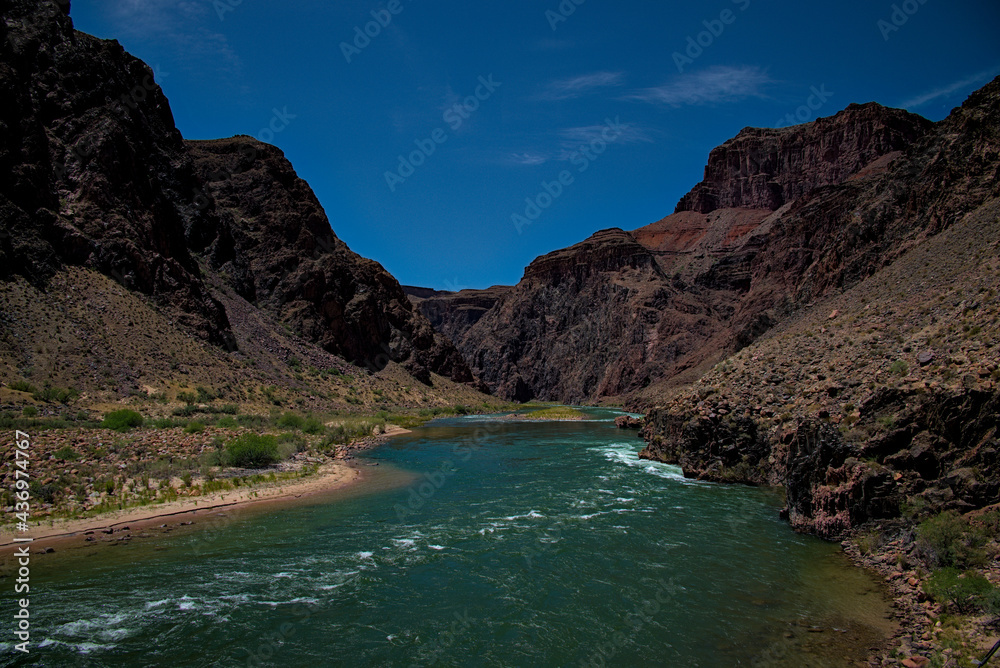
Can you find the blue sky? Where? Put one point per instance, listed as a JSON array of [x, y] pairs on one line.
[[602, 116]]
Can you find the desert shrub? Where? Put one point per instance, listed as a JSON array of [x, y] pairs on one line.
[[900, 368], [22, 386], [122, 420], [227, 422], [290, 420], [187, 397], [205, 395], [252, 450], [43, 493], [252, 421], [61, 395], [29, 411], [313, 426], [967, 592], [66, 453], [948, 540], [194, 427], [990, 522], [869, 541], [185, 411]]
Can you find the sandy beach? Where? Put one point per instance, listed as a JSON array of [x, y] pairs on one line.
[[330, 477]]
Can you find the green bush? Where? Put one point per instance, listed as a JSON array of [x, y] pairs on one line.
[[968, 592], [43, 493], [252, 450], [205, 395], [194, 427], [187, 397], [57, 394], [66, 453], [29, 411], [313, 426], [290, 420], [122, 420], [22, 386], [227, 422], [900, 368], [949, 540]]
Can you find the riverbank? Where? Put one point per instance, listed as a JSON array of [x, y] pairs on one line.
[[334, 475], [929, 633], [304, 477]]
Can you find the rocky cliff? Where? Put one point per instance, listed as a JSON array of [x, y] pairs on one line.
[[627, 313], [880, 399], [101, 178], [766, 169]]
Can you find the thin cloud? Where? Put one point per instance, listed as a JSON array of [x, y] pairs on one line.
[[184, 25], [527, 159], [949, 90], [575, 87], [715, 84], [629, 134]]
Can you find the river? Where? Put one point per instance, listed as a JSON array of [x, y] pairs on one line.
[[474, 542]]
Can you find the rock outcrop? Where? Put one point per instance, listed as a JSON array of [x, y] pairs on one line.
[[100, 177], [654, 308], [766, 169], [271, 239]]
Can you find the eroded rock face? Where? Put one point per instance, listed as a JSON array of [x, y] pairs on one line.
[[98, 174], [766, 168], [783, 219], [941, 452], [101, 177], [272, 240]]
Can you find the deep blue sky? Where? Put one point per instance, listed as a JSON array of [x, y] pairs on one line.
[[226, 65]]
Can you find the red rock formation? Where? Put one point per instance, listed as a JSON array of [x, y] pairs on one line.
[[765, 168]]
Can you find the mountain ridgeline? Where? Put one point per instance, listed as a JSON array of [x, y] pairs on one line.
[[100, 178], [625, 311], [819, 313]]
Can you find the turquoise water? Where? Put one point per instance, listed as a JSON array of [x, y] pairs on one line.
[[475, 542]]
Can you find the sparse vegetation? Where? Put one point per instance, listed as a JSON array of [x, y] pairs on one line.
[[967, 592], [252, 451], [950, 541], [122, 420]]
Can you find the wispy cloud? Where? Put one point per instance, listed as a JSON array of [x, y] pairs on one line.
[[185, 26], [715, 84], [949, 90], [527, 159], [628, 134], [575, 87]]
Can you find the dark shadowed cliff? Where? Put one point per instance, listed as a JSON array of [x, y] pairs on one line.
[[626, 311], [101, 178]]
